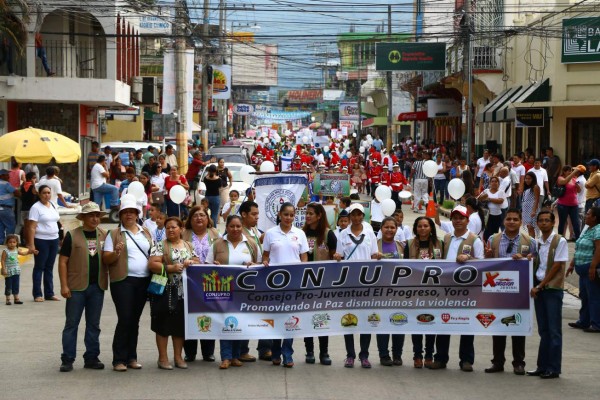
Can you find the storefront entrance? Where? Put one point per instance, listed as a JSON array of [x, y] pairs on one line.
[[583, 140]]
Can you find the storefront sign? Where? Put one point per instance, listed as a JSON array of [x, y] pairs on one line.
[[482, 297], [305, 96], [413, 116], [581, 40], [348, 111], [410, 56], [440, 108], [530, 117], [243, 109]]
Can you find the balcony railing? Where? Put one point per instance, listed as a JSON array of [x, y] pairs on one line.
[[484, 57], [82, 59]]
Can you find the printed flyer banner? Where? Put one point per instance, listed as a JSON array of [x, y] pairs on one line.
[[332, 184], [483, 297], [274, 190]]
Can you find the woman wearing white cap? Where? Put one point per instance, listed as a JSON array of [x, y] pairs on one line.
[[356, 243], [126, 253]]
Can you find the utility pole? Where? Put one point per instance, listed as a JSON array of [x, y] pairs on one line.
[[205, 65], [469, 56], [220, 103], [389, 88], [180, 87]]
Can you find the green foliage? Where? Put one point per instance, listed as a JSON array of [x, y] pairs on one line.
[[448, 204]]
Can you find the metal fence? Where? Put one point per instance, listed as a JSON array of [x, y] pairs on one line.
[[79, 59]]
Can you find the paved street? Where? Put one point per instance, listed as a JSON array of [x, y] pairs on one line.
[[30, 342]]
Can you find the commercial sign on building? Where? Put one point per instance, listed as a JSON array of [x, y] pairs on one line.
[[440, 108], [530, 117], [581, 40], [305, 96], [349, 111], [410, 56]]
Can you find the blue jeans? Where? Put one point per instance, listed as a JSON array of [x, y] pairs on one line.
[[43, 267], [548, 313], [571, 212], [589, 293], [397, 345], [440, 190], [278, 349], [7, 223], [91, 300], [12, 285], [103, 189], [365, 341], [41, 53], [417, 341], [230, 349], [213, 205]]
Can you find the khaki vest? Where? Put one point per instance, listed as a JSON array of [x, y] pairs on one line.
[[253, 235], [321, 253], [221, 251], [120, 268], [78, 266], [466, 242], [524, 244], [213, 235], [399, 247], [558, 281], [414, 249]]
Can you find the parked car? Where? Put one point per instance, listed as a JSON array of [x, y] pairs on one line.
[[221, 151], [133, 145], [237, 184]]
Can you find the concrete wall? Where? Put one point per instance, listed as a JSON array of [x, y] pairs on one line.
[[120, 130]]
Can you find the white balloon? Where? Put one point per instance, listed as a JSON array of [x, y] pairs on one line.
[[326, 149], [247, 174], [382, 193], [456, 188], [136, 189], [349, 154], [128, 198], [354, 134], [305, 139], [404, 194], [370, 141], [177, 194], [369, 137], [430, 168], [388, 206], [361, 149], [267, 166], [266, 140]]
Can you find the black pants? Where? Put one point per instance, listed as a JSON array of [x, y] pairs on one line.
[[396, 198], [309, 343], [466, 349], [207, 347], [129, 296], [365, 341], [518, 350]]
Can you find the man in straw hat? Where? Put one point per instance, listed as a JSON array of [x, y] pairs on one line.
[[83, 280]]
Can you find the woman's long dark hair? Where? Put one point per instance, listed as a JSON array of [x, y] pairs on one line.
[[476, 205], [433, 237], [533, 181], [284, 205], [322, 224], [467, 178]]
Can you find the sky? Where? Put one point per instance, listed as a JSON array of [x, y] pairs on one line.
[[305, 30]]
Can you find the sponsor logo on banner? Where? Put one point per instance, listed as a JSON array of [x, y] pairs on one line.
[[270, 322], [500, 282], [262, 324], [292, 324], [425, 319], [231, 325], [204, 323], [275, 200], [399, 318], [486, 319], [217, 288], [374, 320], [321, 321], [448, 318], [349, 320], [514, 319]]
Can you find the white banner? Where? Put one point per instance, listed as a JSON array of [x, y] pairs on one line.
[[274, 190], [286, 163]]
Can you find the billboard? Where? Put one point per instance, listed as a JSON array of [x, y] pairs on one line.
[[581, 40], [410, 56], [349, 111], [254, 64]]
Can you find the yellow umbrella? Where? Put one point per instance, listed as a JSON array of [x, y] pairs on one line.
[[33, 145]]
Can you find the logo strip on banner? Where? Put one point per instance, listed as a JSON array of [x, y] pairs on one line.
[[485, 297]]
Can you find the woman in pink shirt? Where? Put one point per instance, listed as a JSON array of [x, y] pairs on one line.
[[567, 205]]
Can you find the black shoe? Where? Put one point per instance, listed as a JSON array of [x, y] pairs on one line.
[[494, 368], [324, 359], [576, 325], [591, 330], [549, 375], [210, 358], [310, 357], [519, 370], [189, 358], [397, 360], [66, 366], [93, 364], [386, 361], [535, 372]]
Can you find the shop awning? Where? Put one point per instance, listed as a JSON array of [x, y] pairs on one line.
[[487, 114], [412, 116], [380, 121], [502, 108], [196, 127]]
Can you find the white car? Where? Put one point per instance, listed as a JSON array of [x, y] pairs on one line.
[[237, 184]]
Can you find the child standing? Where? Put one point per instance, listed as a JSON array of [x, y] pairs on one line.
[[11, 269], [150, 223], [234, 196], [159, 234]]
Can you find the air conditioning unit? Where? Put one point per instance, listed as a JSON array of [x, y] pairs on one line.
[[144, 90]]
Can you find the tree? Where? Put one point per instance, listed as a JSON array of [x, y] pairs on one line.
[[14, 17]]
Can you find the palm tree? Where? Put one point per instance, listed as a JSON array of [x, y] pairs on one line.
[[14, 17]]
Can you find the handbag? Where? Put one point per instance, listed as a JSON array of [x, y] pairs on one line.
[[158, 283], [559, 191], [158, 198]]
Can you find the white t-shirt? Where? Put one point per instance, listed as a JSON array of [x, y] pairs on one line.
[[542, 176], [519, 171], [475, 225], [495, 209], [440, 171], [408, 233], [455, 243], [447, 227], [560, 255], [239, 255], [376, 213], [136, 260], [96, 178], [151, 226], [364, 251], [159, 180], [55, 188], [506, 187], [481, 163], [285, 247], [46, 218], [581, 195]]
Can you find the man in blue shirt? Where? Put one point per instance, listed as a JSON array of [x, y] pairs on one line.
[[7, 206], [377, 143]]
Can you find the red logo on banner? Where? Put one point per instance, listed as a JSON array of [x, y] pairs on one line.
[[486, 319], [445, 317], [490, 279]]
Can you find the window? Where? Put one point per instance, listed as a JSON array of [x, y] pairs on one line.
[[584, 143]]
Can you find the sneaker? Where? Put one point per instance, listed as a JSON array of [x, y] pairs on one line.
[[385, 361], [349, 362], [397, 360], [66, 366], [365, 363], [93, 364]]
